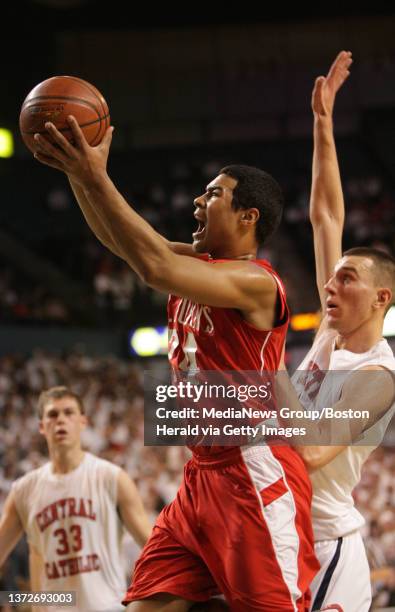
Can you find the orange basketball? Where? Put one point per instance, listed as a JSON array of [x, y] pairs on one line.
[[56, 98]]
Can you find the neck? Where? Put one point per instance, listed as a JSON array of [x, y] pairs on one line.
[[65, 460], [237, 253], [361, 339], [247, 256]]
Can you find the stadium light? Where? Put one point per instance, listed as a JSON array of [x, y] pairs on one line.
[[152, 341], [6, 143], [148, 341], [305, 321]]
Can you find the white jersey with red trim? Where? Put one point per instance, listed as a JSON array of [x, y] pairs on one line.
[[208, 338], [333, 511], [71, 520]]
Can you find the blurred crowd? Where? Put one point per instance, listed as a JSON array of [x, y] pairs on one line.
[[112, 392], [115, 296], [370, 214]]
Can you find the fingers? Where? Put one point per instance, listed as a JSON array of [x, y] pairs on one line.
[[44, 146], [107, 138], [59, 139], [339, 70], [78, 135]]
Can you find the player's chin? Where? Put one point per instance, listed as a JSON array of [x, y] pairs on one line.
[[332, 322], [336, 323], [199, 245]]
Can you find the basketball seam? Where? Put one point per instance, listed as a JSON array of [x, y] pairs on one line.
[[30, 103], [93, 91], [90, 87], [100, 109], [65, 128]]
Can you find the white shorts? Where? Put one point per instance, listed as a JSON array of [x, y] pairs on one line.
[[343, 582]]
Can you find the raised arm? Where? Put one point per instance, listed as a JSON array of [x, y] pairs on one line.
[[326, 202], [100, 230], [11, 529], [131, 509], [233, 284]]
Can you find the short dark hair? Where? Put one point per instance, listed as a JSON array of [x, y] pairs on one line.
[[383, 263], [55, 393], [257, 189]]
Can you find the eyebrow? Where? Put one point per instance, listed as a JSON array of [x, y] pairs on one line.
[[208, 188], [348, 269]]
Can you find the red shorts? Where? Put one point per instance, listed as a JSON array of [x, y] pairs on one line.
[[240, 526]]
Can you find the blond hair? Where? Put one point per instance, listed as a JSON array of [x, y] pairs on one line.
[[55, 393]]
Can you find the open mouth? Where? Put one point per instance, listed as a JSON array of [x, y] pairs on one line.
[[331, 307], [200, 230], [60, 433]]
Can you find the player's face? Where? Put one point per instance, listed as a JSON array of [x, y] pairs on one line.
[[62, 423], [217, 220], [351, 294]]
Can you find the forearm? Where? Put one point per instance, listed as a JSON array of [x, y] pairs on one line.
[[92, 218], [316, 457], [316, 450], [146, 251], [292, 413], [138, 526], [326, 192], [101, 232], [8, 539]]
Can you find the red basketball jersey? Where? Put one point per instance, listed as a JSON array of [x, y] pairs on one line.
[[210, 338]]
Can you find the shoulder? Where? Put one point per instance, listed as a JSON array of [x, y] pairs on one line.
[[102, 466], [31, 479], [106, 476], [385, 355], [257, 272], [23, 489], [320, 351]]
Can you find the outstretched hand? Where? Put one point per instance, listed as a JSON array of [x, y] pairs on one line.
[[81, 162], [326, 88]]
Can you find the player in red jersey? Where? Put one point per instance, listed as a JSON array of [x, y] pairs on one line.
[[240, 523]]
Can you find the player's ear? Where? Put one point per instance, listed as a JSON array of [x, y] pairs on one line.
[[249, 216], [83, 421], [384, 297]]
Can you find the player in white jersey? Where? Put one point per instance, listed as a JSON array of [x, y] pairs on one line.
[[351, 367], [73, 510]]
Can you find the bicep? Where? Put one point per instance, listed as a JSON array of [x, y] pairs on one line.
[[224, 285], [128, 498], [366, 396]]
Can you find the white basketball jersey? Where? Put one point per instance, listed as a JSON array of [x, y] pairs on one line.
[[72, 522], [333, 511]]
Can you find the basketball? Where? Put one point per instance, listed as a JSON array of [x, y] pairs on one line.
[[56, 98]]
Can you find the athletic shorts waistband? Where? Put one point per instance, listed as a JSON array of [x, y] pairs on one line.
[[233, 455], [213, 461]]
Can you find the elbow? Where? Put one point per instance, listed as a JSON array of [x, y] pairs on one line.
[[312, 458], [323, 216], [155, 274], [149, 275]]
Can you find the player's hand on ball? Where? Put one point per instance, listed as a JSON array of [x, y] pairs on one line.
[[326, 88], [79, 160]]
